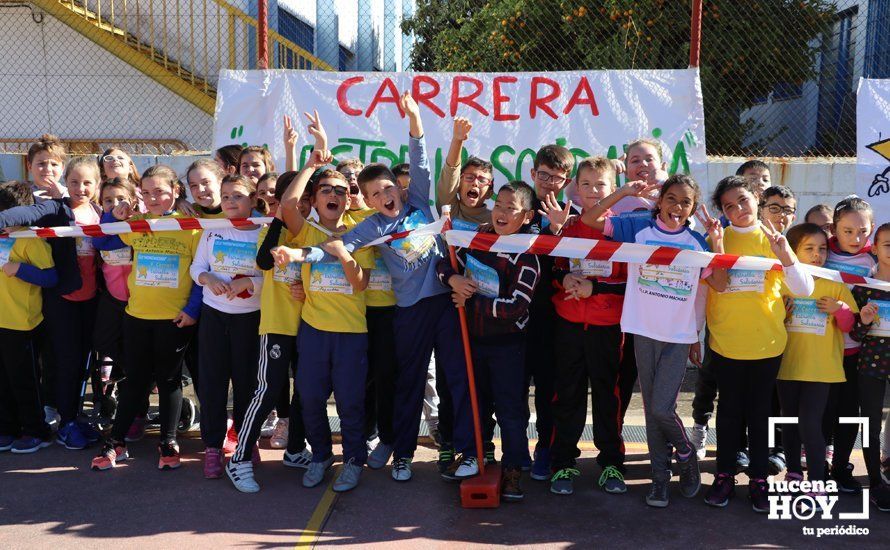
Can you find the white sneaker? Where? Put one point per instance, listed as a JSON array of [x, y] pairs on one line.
[[269, 425], [279, 434], [241, 474], [698, 438], [348, 478], [298, 460], [468, 468], [315, 474], [52, 417], [401, 469]]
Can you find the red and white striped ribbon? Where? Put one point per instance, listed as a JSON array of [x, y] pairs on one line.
[[136, 226]]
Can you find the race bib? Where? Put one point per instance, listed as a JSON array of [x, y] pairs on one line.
[[329, 278], [5, 250], [157, 270], [414, 249], [289, 274], [860, 270], [462, 225], [746, 280], [233, 257], [590, 268], [881, 326], [121, 256], [380, 278], [806, 318], [668, 281], [84, 246], [486, 278]]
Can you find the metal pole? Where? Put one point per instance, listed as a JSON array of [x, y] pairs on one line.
[[262, 36], [695, 34]]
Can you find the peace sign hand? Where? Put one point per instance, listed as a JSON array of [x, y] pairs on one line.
[[712, 227], [317, 131], [290, 135], [778, 244]]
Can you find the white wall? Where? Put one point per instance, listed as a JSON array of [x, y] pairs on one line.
[[60, 82]]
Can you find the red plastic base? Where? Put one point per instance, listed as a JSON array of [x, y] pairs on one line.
[[482, 491]]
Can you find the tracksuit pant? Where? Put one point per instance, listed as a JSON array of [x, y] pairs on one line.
[[21, 407], [70, 330], [500, 383], [539, 353], [154, 351], [380, 388], [431, 323], [662, 367], [746, 396], [627, 374], [229, 350], [871, 398], [338, 362], [277, 357], [587, 354], [844, 401], [806, 401]]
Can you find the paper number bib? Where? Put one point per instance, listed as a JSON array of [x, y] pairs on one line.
[[233, 257], [328, 278], [881, 326], [288, 274], [590, 268], [121, 256], [380, 278], [84, 246], [5, 250], [486, 278], [746, 280], [806, 318], [157, 270]]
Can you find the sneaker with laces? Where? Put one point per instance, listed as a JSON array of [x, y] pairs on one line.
[[6, 442], [758, 494], [136, 431], [230, 443], [279, 434], [269, 424], [846, 483], [379, 456], [29, 444], [241, 475], [541, 465], [793, 476], [879, 495], [511, 488], [742, 461], [777, 462], [89, 431], [885, 469], [720, 491], [169, 456], [446, 458], [301, 459], [71, 437], [612, 481], [315, 473], [213, 463], [690, 476], [348, 478], [698, 438], [562, 482], [112, 452], [401, 469], [658, 495], [489, 457], [463, 467]]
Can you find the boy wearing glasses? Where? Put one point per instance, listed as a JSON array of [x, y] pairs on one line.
[[465, 188], [778, 205], [350, 169]]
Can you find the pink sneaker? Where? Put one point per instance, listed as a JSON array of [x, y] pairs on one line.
[[137, 430], [213, 463], [255, 457], [231, 442]]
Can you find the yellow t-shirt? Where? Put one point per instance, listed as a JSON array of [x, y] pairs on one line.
[[160, 282], [747, 320], [815, 350], [203, 213], [332, 304], [279, 312], [379, 292], [21, 303]]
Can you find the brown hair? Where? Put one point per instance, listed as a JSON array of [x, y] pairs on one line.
[[372, 172], [354, 163], [600, 164], [207, 163], [117, 183], [164, 172], [797, 233], [555, 156], [266, 155], [852, 203], [884, 227], [243, 181], [230, 155], [15, 193], [134, 172], [646, 141], [50, 144], [326, 174]]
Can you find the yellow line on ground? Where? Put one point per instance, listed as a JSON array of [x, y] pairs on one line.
[[312, 532]]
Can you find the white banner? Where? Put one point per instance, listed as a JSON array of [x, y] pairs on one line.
[[873, 146], [513, 114]]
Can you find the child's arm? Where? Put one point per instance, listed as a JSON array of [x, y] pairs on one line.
[[289, 206], [595, 217], [449, 179], [718, 279], [31, 215], [519, 294], [798, 281], [419, 163], [356, 276], [264, 259], [356, 238], [464, 288], [44, 278], [110, 242], [867, 315], [200, 270], [290, 145]]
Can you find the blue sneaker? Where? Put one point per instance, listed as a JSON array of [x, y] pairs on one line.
[[29, 444], [71, 437], [541, 466], [89, 431], [6, 442]]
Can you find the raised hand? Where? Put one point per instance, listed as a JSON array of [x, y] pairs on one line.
[[407, 103], [778, 243], [558, 215], [316, 130], [319, 158], [461, 129], [290, 135], [618, 164], [712, 226]]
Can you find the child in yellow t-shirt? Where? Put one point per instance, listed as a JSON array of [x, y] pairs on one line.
[[747, 338], [333, 339], [27, 267], [813, 358], [160, 316]]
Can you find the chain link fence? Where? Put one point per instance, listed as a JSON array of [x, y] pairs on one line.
[[778, 77]]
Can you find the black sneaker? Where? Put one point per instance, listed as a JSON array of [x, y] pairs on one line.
[[721, 490], [511, 490], [758, 495], [489, 453], [843, 475], [446, 458], [690, 476], [880, 497]]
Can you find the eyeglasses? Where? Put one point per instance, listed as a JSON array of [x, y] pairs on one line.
[[777, 209], [349, 174], [328, 189], [470, 178], [545, 177], [112, 158]]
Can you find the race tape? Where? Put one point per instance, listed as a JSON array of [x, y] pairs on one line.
[[136, 226], [591, 249]]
